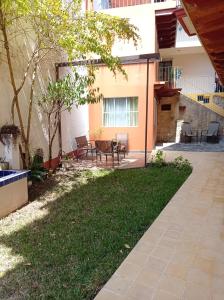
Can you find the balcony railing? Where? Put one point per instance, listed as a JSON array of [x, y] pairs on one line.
[[106, 4], [170, 74]]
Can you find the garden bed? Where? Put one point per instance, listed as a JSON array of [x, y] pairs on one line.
[[68, 242]]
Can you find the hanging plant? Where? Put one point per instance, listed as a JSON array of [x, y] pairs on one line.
[[8, 133]]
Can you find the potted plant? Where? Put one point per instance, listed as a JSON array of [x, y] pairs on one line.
[[4, 165], [8, 133], [66, 161]]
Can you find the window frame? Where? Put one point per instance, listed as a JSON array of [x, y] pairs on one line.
[[126, 112]]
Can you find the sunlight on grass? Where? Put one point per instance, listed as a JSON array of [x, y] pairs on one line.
[[8, 260]]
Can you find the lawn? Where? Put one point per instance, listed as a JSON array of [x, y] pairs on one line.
[[67, 243]]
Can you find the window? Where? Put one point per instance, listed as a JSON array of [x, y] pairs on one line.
[[166, 107], [120, 112]]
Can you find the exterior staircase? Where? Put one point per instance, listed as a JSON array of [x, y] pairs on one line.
[[208, 101]]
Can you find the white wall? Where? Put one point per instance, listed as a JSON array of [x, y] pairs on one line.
[[198, 74], [184, 40], [73, 124], [143, 17]]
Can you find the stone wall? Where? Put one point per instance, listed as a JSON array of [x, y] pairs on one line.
[[183, 108], [198, 115], [218, 100], [167, 119]]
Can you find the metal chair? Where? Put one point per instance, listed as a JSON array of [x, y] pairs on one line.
[[107, 148], [122, 140], [211, 133], [187, 133], [84, 146]]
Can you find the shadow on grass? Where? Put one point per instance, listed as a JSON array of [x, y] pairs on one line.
[[72, 252]]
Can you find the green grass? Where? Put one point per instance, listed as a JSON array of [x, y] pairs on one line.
[[73, 250]]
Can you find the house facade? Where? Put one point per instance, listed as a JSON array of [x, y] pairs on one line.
[[184, 76]]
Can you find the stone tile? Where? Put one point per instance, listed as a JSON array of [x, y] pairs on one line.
[[169, 242], [153, 235], [163, 253], [118, 285], [128, 270], [148, 278], [137, 257], [196, 292], [172, 285], [199, 277], [216, 296], [144, 247], [139, 292], [155, 264], [173, 234], [107, 295], [204, 264], [218, 285], [163, 295], [218, 268], [178, 270]]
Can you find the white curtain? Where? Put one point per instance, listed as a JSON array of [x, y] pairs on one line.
[[120, 112]]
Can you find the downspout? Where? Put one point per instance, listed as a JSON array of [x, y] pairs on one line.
[[59, 119], [146, 113]]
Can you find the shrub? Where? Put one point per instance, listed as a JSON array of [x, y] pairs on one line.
[[181, 163], [159, 159]]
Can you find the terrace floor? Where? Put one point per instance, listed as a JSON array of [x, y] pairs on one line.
[[132, 160], [181, 255]]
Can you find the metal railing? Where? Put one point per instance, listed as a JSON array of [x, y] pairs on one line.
[[106, 4], [169, 74]]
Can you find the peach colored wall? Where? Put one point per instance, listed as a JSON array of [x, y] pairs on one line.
[[120, 87]]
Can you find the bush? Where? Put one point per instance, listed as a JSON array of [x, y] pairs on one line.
[[181, 163], [38, 172], [159, 159]]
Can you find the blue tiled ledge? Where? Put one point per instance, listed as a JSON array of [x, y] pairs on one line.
[[9, 176]]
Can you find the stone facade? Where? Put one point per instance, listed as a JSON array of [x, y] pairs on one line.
[[183, 108], [218, 100]]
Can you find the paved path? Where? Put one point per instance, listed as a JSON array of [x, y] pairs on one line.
[[181, 256]]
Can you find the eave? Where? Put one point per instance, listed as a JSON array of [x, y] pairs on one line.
[[207, 18]]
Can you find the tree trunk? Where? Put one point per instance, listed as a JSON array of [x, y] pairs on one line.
[[12, 79], [49, 140], [27, 154]]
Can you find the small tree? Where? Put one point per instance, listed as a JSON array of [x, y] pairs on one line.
[[62, 95], [53, 27]]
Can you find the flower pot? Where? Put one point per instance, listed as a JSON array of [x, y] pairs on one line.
[[4, 165]]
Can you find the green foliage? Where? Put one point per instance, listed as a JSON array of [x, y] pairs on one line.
[[181, 163], [63, 26], [159, 159], [70, 90], [38, 172]]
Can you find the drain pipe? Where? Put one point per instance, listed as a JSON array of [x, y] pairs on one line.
[[146, 112]]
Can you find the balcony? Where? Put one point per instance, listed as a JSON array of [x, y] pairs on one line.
[[171, 75], [107, 4]]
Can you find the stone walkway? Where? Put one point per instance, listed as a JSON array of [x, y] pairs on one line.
[[181, 256], [193, 147]]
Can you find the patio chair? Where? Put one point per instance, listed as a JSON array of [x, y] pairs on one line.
[[84, 147], [107, 148], [187, 133], [122, 140], [211, 133]]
